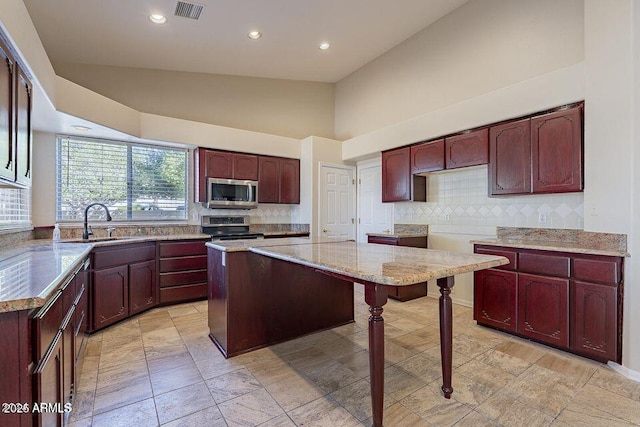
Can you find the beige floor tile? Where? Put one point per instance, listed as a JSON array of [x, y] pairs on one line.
[[399, 416], [270, 371], [294, 391], [229, 386], [469, 345], [114, 375], [534, 385], [348, 329], [332, 375], [122, 355], [165, 350], [612, 381], [475, 419], [210, 417], [399, 384], [595, 401], [217, 365], [121, 394], [250, 409], [425, 368], [178, 377], [508, 411], [165, 363], [281, 421], [182, 310], [522, 350], [82, 405], [434, 408], [201, 347], [356, 398], [575, 415], [458, 359], [417, 341], [155, 321], [574, 367], [139, 414], [490, 377], [394, 353], [505, 362], [323, 412], [467, 391], [338, 347], [85, 422], [181, 402]]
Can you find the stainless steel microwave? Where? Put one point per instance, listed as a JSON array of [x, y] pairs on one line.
[[231, 194]]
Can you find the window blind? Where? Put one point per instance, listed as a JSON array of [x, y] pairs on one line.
[[15, 208], [136, 182]]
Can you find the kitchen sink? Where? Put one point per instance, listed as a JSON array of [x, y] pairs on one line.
[[95, 240]]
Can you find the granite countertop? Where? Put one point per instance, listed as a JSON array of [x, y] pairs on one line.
[[561, 240], [387, 265], [405, 230], [245, 245], [30, 272]]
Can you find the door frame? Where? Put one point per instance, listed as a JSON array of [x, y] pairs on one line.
[[365, 164], [353, 194]]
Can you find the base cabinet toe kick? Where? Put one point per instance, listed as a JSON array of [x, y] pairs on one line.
[[268, 295]]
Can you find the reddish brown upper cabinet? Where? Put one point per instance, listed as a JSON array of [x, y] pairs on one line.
[[24, 139], [427, 157], [398, 183], [278, 180], [222, 164], [7, 138], [556, 152], [468, 149], [510, 158], [570, 301]]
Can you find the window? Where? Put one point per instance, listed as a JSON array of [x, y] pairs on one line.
[[136, 182], [15, 208]]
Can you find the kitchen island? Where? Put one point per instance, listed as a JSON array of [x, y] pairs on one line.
[[340, 263]]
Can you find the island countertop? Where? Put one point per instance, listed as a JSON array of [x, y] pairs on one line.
[[386, 265]]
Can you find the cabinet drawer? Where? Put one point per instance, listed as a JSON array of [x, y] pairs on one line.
[[598, 269], [181, 264], [549, 265], [47, 324], [123, 255], [172, 249], [383, 240], [512, 256], [182, 278], [183, 293]]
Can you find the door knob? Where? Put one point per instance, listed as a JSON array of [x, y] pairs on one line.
[[324, 230]]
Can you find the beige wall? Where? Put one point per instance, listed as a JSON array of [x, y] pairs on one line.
[[290, 108], [480, 47], [43, 189]]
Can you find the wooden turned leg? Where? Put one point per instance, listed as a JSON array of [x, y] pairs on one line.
[[446, 333], [376, 296]]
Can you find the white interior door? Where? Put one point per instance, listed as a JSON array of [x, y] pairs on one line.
[[337, 200], [373, 215]]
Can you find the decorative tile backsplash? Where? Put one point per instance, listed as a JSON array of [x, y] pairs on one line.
[[264, 214], [457, 202]]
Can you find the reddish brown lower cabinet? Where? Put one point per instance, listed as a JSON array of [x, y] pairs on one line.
[[593, 317], [110, 296], [543, 308], [16, 369], [142, 286], [495, 298], [570, 301], [409, 292], [49, 383], [183, 270]]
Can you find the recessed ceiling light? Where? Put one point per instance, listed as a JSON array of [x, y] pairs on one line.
[[324, 46], [254, 35], [156, 18], [80, 127]]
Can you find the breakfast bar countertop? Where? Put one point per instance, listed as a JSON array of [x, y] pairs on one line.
[[387, 265]]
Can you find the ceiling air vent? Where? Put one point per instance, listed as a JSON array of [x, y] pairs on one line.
[[188, 10]]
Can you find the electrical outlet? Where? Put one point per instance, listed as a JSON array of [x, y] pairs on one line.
[[542, 217], [446, 217]]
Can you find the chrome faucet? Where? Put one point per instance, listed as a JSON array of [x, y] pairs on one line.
[[87, 231]]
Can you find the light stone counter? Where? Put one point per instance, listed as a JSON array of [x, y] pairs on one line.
[[30, 272], [387, 265], [245, 245]]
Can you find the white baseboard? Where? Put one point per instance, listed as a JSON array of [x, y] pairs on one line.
[[624, 371]]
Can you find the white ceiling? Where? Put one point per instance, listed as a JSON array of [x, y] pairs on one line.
[[119, 33]]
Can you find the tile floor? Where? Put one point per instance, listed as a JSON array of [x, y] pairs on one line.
[[160, 368]]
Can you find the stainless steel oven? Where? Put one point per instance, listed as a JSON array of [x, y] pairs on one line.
[[231, 194]]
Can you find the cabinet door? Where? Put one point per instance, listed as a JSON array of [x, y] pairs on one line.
[[142, 286], [23, 130], [495, 297], [268, 179], [7, 146], [510, 158], [543, 310], [556, 151], [48, 381], [427, 157], [245, 166], [218, 164], [289, 181], [594, 315], [110, 296], [469, 149], [68, 356], [396, 175]]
